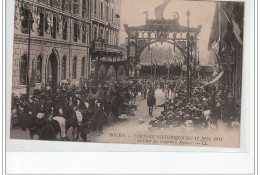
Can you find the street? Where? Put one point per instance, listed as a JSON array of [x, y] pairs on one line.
[[129, 128]]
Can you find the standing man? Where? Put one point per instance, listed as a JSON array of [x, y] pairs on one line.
[[151, 101]]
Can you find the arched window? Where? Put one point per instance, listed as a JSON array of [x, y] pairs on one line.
[[39, 69], [63, 68], [83, 67], [74, 68], [23, 69]]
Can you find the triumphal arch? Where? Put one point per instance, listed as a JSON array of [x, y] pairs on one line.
[[162, 30]]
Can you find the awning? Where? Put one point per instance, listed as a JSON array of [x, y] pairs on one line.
[[216, 78]]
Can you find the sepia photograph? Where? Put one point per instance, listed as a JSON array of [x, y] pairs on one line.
[[147, 72]]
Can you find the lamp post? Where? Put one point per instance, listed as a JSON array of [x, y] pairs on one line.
[[30, 21], [151, 63], [155, 64], [188, 54], [191, 44]]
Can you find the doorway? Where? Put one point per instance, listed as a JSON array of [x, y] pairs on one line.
[[53, 71]]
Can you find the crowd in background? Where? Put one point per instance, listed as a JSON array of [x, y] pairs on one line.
[[206, 106]]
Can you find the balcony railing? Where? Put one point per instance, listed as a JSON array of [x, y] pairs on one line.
[[104, 47]]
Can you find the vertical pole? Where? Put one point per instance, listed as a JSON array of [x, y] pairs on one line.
[[151, 64], [191, 71], [28, 61], [188, 56]]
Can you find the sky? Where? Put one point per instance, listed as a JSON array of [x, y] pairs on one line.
[[202, 12]]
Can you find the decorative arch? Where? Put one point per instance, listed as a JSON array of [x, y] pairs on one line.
[[23, 68], [102, 73], [74, 67], [39, 65], [111, 72], [167, 41], [121, 74], [64, 67], [83, 66]]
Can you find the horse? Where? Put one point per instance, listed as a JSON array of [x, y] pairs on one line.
[[44, 128]]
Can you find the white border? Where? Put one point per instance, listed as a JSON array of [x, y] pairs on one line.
[[122, 162]]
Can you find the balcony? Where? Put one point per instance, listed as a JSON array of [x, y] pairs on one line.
[[98, 46]]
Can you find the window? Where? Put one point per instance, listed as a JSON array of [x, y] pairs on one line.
[[100, 33], [54, 28], [83, 67], [25, 24], [107, 10], [112, 17], [101, 11], [95, 33], [84, 35], [76, 7], [23, 69], [64, 29], [66, 5], [95, 7], [84, 8], [41, 22], [74, 68], [107, 39], [39, 69], [63, 68], [116, 39], [75, 37]]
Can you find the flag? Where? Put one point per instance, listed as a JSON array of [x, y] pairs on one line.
[[237, 32], [159, 9]]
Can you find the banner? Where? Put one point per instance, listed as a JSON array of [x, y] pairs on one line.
[[237, 32], [215, 79]]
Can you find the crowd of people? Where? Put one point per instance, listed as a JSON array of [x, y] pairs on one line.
[[206, 105], [104, 102], [99, 103]]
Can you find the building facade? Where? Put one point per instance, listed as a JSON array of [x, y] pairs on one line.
[[56, 47], [226, 44], [68, 40], [106, 55]]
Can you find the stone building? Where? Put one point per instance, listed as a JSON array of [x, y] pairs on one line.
[[106, 54], [59, 42]]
